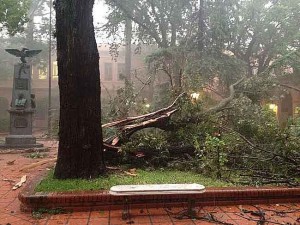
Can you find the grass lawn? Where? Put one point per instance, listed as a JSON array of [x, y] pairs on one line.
[[50, 184]]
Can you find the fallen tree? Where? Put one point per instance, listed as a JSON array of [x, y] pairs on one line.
[[130, 125], [254, 152], [158, 119]]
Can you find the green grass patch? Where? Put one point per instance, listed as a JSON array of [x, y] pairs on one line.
[[36, 155], [50, 184]]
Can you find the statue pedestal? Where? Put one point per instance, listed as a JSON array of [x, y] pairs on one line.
[[21, 141], [21, 130]]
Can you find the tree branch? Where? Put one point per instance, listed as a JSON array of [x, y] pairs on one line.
[[293, 161], [227, 100], [151, 32], [129, 120], [288, 86]]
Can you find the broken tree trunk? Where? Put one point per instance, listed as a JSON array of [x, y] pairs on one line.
[[127, 127], [158, 119]]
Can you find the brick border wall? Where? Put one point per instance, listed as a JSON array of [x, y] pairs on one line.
[[97, 200]]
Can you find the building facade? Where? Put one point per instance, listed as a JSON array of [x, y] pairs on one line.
[[111, 76]]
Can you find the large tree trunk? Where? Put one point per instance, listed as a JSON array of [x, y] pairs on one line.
[[80, 152]]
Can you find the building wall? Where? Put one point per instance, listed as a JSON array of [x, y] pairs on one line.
[[110, 70]]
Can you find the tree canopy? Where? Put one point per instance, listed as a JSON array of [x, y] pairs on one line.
[[233, 34], [13, 15]]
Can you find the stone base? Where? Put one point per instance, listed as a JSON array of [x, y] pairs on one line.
[[20, 141]]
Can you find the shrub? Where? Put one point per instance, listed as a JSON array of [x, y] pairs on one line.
[[4, 124]]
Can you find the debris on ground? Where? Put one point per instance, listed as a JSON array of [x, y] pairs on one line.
[[20, 183], [113, 168], [10, 162], [131, 172], [33, 165], [9, 180]]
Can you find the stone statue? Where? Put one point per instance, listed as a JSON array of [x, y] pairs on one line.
[[24, 53], [32, 100], [20, 102]]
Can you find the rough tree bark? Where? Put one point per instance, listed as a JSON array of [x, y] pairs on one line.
[[80, 152]]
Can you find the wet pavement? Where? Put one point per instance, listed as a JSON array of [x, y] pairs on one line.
[[11, 166]]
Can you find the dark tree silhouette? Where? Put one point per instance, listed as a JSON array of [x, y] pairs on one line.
[[80, 152]]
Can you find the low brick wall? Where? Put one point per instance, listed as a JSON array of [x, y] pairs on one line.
[[97, 200]]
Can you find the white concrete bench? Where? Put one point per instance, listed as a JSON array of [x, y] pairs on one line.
[[157, 189]]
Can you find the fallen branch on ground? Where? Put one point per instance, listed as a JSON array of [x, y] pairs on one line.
[[31, 166], [130, 125], [9, 180], [20, 183]]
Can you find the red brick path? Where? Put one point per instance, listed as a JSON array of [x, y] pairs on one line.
[[287, 214]]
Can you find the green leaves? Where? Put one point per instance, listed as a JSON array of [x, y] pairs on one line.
[[13, 15], [163, 22]]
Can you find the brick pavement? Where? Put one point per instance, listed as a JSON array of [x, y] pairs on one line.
[[287, 214]]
